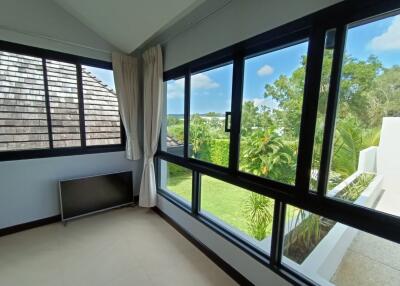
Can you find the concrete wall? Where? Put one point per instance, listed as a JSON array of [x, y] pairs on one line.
[[42, 23], [29, 188]]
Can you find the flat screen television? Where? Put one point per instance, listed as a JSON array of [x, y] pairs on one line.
[[84, 196]]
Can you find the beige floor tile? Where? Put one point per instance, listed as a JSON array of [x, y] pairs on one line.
[[130, 246]]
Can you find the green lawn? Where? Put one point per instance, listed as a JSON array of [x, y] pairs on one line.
[[221, 199]]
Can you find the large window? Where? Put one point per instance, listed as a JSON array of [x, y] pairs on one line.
[[210, 106], [176, 180], [48, 104], [23, 119], [364, 152], [102, 120], [64, 103], [247, 214], [293, 145], [332, 253], [172, 129], [271, 112]]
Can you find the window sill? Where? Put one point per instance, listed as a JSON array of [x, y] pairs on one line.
[[59, 152]]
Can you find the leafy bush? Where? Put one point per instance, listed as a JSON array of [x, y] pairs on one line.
[[219, 151]]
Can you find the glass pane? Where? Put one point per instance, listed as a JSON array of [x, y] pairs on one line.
[[271, 112], [211, 94], [329, 252], [365, 154], [322, 105], [172, 132], [177, 180], [102, 119], [64, 105], [23, 118], [246, 214]]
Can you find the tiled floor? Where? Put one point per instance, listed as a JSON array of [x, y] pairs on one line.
[[129, 246], [369, 261]]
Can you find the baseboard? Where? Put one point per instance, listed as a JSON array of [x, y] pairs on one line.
[[29, 225], [228, 269], [37, 223]]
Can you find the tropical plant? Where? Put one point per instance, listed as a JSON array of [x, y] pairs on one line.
[[353, 191], [258, 209], [266, 155], [305, 228]]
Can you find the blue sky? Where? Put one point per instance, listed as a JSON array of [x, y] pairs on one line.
[[106, 76], [211, 90]]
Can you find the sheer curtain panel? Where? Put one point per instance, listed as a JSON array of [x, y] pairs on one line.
[[152, 108]]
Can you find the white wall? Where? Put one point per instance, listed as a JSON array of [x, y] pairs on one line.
[[42, 23], [237, 21], [29, 188]]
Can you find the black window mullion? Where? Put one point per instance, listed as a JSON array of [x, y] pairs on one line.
[[309, 109], [278, 233], [236, 107], [196, 189], [47, 101], [81, 105], [326, 153], [186, 116]]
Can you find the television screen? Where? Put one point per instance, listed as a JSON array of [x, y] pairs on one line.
[[86, 195]]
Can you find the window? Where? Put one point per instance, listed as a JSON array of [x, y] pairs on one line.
[[173, 128], [247, 214], [364, 157], [322, 105], [102, 120], [64, 104], [333, 253], [293, 145], [48, 104], [271, 113], [210, 105], [23, 119], [177, 180]]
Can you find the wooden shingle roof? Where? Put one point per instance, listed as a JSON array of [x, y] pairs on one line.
[[23, 118]]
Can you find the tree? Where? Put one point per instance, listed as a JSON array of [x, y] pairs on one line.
[[199, 136]]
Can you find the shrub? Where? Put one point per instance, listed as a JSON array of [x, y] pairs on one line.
[[219, 150]]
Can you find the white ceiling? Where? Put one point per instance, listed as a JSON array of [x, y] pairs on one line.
[[126, 24]]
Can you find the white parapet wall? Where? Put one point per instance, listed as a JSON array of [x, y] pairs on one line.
[[388, 159], [367, 160]]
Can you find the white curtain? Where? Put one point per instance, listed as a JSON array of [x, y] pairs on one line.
[[127, 87], [152, 107]]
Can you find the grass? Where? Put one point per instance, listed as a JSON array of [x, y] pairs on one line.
[[221, 199]]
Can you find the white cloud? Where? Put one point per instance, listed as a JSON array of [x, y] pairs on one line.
[[202, 81], [390, 39], [176, 88], [265, 70]]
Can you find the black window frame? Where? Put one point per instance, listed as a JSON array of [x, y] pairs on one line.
[[314, 27], [78, 61]]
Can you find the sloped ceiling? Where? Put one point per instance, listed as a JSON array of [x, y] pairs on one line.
[[126, 24]]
